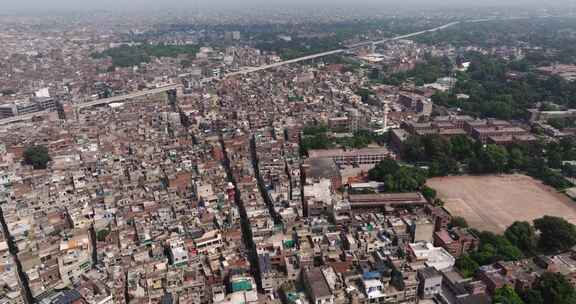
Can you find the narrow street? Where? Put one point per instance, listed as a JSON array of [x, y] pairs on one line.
[[245, 223]]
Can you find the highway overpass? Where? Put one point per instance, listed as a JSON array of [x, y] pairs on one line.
[[22, 117], [333, 52], [281, 63], [245, 71], [82, 105], [241, 72], [126, 96]]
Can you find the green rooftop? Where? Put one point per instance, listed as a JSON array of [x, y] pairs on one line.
[[241, 285]]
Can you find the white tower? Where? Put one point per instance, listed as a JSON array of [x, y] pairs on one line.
[[385, 126]]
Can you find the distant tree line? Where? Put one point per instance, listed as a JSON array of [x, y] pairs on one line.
[[553, 36], [504, 89], [460, 154], [550, 288], [548, 235]]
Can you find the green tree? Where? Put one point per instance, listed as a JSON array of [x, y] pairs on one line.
[[102, 234], [518, 159], [462, 147], [315, 142], [314, 129], [494, 158], [555, 159], [507, 295], [405, 180], [556, 289], [532, 296], [569, 170], [466, 266], [436, 147], [459, 221], [522, 235], [429, 193], [385, 167], [398, 178], [556, 234], [436, 151], [414, 149], [489, 160], [486, 254], [37, 156], [494, 248]]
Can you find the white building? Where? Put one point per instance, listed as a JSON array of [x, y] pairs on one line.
[[178, 253], [430, 282], [374, 289], [431, 256]]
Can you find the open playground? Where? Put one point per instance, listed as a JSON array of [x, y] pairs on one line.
[[494, 202]]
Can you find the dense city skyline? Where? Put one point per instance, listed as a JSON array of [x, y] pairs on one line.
[[287, 152], [227, 4]]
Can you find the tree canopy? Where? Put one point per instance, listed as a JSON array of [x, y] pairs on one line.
[[507, 295], [459, 221], [429, 193], [37, 156], [551, 288], [493, 248], [398, 178], [316, 136], [491, 159], [466, 266], [523, 236], [461, 154], [556, 234], [102, 234]]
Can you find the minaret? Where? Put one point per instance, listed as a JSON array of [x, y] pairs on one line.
[[385, 127]]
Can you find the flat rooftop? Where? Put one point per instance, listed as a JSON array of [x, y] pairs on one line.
[[382, 199], [344, 153]]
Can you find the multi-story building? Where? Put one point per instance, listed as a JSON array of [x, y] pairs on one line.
[[75, 258], [366, 156], [457, 241], [317, 287], [430, 282]]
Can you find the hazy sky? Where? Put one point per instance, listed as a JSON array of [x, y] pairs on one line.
[[150, 4]]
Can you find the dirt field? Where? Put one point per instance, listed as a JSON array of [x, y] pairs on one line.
[[494, 202]]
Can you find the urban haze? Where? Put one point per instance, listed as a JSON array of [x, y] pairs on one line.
[[294, 152]]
